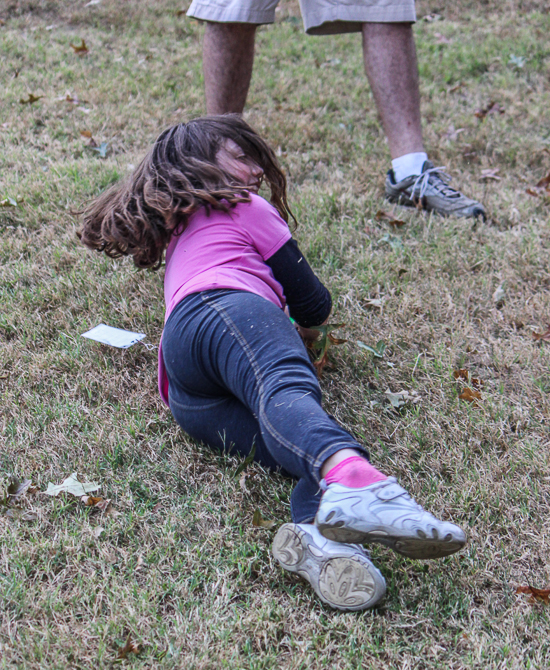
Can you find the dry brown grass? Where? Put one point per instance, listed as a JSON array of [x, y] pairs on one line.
[[180, 567]]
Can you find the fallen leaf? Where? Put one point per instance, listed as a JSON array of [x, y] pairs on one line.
[[260, 522], [382, 215], [129, 648], [73, 486], [377, 351], [86, 133], [90, 501], [102, 149], [465, 376], [545, 337], [401, 398], [30, 100], [81, 49], [97, 531], [492, 108], [101, 504], [20, 515], [530, 191], [490, 173], [16, 488], [498, 296], [374, 302], [319, 348], [8, 202], [453, 133], [73, 99], [242, 483], [544, 182], [542, 595], [469, 395], [247, 461]]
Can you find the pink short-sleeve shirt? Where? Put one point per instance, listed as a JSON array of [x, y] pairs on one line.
[[224, 250]]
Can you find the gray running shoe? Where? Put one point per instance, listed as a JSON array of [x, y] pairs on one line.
[[342, 575], [431, 191], [384, 512]]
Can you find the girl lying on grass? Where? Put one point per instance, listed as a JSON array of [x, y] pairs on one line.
[[232, 367]]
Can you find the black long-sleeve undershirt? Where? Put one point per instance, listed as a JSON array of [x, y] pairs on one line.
[[308, 301]]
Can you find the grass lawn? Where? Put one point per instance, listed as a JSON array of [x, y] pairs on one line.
[[176, 564]]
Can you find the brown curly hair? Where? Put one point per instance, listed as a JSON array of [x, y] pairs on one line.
[[177, 177]]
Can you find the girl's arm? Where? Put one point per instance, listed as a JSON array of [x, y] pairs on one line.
[[309, 302]]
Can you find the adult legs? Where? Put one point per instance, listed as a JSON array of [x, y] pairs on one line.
[[228, 57], [390, 63]]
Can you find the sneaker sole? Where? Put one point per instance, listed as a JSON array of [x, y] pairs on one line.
[[348, 583], [404, 201], [420, 547]]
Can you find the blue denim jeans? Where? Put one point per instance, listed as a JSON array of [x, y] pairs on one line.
[[239, 375]]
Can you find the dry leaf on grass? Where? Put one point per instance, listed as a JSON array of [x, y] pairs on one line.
[[86, 133], [541, 595], [260, 522], [382, 215], [541, 188], [492, 108], [401, 398], [129, 648], [377, 351], [542, 337], [374, 302], [73, 486], [18, 488], [30, 100], [469, 395], [80, 49], [464, 375], [318, 349], [491, 173], [98, 503], [21, 515], [544, 182], [499, 295]]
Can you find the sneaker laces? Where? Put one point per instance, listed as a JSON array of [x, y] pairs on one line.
[[441, 183]]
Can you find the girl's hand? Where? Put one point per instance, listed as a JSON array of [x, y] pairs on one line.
[[308, 334]]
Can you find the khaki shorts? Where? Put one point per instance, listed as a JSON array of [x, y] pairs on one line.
[[321, 17]]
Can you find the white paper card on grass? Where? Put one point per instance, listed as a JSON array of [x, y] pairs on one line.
[[115, 337]]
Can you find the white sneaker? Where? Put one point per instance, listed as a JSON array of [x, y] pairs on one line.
[[385, 513], [342, 575]]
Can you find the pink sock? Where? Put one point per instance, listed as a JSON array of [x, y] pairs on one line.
[[354, 472]]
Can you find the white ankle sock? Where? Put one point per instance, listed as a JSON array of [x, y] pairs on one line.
[[409, 164]]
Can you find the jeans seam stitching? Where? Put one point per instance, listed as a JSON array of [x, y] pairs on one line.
[[250, 355]]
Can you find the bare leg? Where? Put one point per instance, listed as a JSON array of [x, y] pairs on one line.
[[390, 63], [228, 56]]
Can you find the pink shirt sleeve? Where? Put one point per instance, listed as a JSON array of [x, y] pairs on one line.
[[264, 226]]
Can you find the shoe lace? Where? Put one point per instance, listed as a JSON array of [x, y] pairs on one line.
[[438, 179]]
